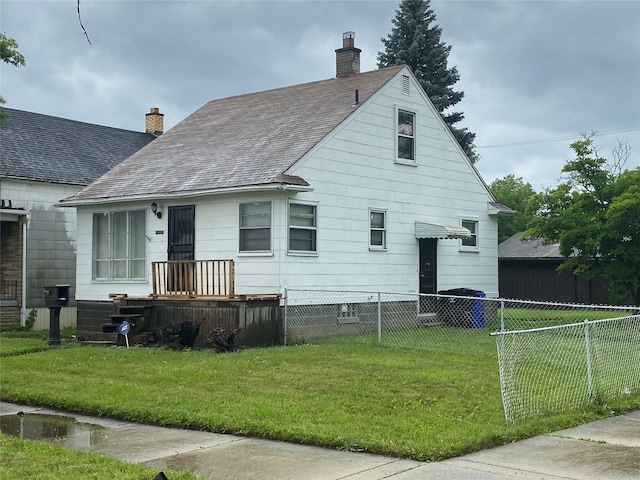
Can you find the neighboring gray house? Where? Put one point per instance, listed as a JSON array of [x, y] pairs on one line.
[[528, 271], [42, 160]]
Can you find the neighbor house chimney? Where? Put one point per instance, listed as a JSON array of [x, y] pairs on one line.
[[347, 57], [154, 121]]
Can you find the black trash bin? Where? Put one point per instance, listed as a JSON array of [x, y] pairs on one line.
[[464, 311]]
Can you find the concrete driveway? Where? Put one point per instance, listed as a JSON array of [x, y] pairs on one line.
[[605, 449]]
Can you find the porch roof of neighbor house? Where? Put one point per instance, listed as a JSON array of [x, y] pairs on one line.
[[244, 141], [53, 149]]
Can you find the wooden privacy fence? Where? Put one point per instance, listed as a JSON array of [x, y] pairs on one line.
[[193, 278]]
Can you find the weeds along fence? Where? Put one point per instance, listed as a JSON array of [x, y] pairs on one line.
[[456, 321], [553, 369]]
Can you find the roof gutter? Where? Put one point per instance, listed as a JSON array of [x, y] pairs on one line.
[[186, 194]]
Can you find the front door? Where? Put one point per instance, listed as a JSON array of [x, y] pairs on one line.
[[428, 273], [181, 237]]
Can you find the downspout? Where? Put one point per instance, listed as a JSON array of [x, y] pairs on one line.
[[23, 311]]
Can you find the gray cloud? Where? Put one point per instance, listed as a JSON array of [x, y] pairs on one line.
[[530, 70]]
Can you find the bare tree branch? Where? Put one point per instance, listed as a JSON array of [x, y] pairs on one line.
[[621, 154], [83, 29]]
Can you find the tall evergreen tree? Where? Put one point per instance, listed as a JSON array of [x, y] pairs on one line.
[[415, 41]]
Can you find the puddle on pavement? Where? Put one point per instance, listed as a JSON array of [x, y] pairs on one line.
[[52, 428]]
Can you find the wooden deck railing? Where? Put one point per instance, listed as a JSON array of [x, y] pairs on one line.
[[193, 278]]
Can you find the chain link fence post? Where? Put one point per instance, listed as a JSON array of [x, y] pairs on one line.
[[379, 320], [588, 358], [285, 300]]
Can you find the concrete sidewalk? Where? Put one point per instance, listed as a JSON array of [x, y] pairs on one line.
[[606, 449]]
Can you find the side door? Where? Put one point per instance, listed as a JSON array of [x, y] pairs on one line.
[[428, 273]]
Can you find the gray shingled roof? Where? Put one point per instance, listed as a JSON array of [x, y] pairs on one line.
[[513, 248], [53, 149], [247, 140]]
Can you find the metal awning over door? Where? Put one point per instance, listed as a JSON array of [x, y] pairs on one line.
[[436, 230]]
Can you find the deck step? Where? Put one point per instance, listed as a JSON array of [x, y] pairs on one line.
[[97, 343], [93, 336], [121, 317], [131, 309]]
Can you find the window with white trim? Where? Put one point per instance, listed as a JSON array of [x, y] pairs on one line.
[[377, 229], [472, 226], [406, 135], [302, 227], [255, 227], [119, 245]]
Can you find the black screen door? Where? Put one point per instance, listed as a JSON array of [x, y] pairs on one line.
[[428, 273], [182, 234]]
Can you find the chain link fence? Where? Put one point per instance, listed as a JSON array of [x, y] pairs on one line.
[[551, 356], [422, 320], [553, 369]]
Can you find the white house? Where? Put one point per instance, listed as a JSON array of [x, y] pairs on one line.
[[351, 183]]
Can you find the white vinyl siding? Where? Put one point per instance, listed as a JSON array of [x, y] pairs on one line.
[[119, 245]]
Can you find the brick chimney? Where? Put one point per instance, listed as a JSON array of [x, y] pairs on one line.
[[347, 57], [154, 121]]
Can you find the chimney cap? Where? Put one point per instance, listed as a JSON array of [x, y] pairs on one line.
[[348, 39]]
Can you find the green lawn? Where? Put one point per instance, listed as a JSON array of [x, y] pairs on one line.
[[23, 459], [526, 318], [18, 342], [426, 405]]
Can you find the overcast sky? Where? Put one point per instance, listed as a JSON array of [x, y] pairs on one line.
[[536, 74]]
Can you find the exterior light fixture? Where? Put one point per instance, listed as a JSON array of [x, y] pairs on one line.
[[155, 210]]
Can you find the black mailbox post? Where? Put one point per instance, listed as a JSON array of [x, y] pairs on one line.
[[55, 298]]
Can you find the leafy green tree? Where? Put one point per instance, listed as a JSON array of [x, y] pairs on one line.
[[595, 217], [415, 41], [9, 54], [516, 194]]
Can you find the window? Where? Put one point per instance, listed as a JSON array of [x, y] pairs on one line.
[[302, 227], [119, 245], [378, 229], [255, 227], [406, 135], [348, 313], [472, 226]]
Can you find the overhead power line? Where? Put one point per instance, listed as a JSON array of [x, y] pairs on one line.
[[560, 139]]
